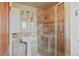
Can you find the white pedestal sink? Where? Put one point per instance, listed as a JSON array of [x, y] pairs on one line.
[[28, 40]]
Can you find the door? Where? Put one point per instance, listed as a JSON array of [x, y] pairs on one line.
[[4, 28]]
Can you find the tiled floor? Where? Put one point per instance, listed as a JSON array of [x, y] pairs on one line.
[[34, 50], [35, 53]]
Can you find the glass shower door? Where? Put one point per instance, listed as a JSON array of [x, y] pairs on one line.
[[60, 30]]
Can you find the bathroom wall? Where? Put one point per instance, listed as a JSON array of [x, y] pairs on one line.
[[74, 28], [18, 8], [4, 28], [0, 32], [15, 25], [15, 20], [67, 28]]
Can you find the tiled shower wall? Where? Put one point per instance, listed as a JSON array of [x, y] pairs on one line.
[[65, 19]]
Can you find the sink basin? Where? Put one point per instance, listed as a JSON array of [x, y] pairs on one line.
[[28, 40]]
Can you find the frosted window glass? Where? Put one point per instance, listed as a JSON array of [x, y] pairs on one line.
[[24, 25]]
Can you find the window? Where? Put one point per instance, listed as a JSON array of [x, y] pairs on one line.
[[24, 25], [27, 21]]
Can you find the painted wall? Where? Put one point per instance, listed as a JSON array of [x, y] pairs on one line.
[[15, 22], [16, 18], [74, 28], [4, 28], [67, 28]]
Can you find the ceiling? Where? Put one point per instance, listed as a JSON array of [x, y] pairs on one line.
[[40, 5]]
